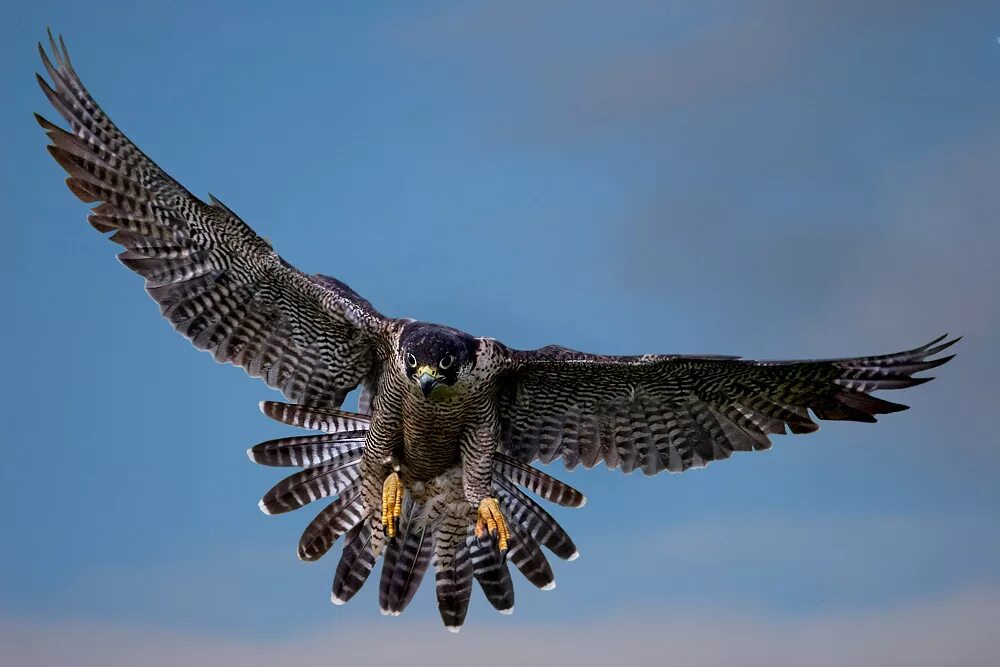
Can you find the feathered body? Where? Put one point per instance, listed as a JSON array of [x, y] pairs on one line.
[[431, 468]]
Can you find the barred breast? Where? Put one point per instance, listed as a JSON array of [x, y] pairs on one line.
[[431, 434], [433, 429]]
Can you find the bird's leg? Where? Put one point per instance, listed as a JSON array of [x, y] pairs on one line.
[[375, 476], [477, 449], [491, 521], [392, 502], [382, 488]]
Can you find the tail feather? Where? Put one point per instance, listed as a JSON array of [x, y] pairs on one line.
[[308, 451], [453, 568], [490, 570], [389, 557], [311, 484], [527, 556], [536, 481], [435, 530], [313, 418], [406, 561], [536, 521], [337, 518], [355, 564]]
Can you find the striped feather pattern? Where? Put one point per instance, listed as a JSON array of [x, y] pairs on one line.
[[406, 560], [217, 282], [527, 556], [525, 512], [312, 337], [490, 569], [453, 570], [355, 564], [674, 413], [309, 450], [538, 482], [436, 528], [308, 485], [315, 418], [337, 518]]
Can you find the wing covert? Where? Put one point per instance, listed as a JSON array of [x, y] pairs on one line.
[[216, 281]]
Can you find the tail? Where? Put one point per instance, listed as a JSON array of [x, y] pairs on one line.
[[435, 531]]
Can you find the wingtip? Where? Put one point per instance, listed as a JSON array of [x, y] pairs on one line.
[[46, 88], [583, 501], [263, 507], [508, 611], [56, 53], [337, 601], [549, 586], [65, 51], [454, 629], [52, 44], [927, 365], [574, 555], [933, 348]]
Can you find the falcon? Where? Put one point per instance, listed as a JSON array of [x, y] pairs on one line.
[[432, 468]]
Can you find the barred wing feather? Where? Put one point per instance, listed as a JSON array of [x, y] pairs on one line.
[[655, 413], [217, 282]]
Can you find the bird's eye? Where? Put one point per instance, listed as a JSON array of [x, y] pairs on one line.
[[411, 360], [446, 362]]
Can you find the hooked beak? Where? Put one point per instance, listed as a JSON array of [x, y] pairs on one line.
[[428, 379]]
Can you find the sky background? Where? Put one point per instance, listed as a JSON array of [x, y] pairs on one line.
[[777, 179]]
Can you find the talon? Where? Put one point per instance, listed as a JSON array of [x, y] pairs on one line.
[[491, 521], [392, 503]]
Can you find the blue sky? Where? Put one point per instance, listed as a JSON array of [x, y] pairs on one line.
[[778, 179]]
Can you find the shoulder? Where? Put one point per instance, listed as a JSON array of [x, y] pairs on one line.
[[492, 355]]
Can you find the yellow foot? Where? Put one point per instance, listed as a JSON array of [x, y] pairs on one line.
[[491, 521], [392, 502]]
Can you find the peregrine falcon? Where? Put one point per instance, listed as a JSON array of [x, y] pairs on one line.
[[432, 468]]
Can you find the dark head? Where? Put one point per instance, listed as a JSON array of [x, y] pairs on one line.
[[433, 355]]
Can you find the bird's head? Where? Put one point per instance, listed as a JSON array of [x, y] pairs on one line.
[[435, 356]]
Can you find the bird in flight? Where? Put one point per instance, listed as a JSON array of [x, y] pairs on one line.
[[432, 468]]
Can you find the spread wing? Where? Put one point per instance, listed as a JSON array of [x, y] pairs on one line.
[[673, 413], [216, 281]]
